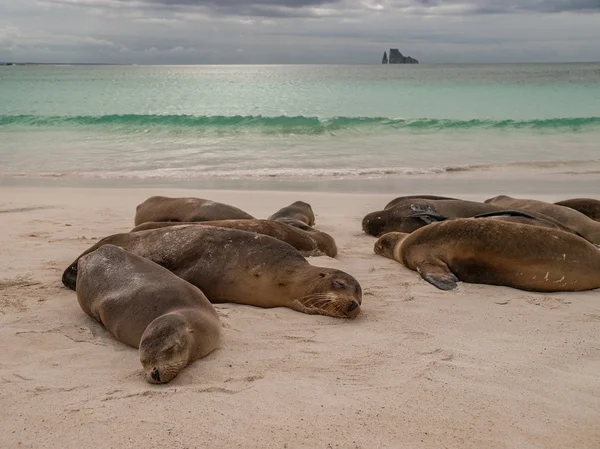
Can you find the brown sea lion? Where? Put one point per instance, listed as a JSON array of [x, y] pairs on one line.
[[523, 217], [416, 197], [312, 243], [295, 214], [162, 208], [514, 216], [146, 306], [572, 219], [495, 252], [242, 267], [587, 206], [402, 216]]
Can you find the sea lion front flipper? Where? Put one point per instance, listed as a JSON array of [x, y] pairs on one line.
[[425, 213], [438, 274]]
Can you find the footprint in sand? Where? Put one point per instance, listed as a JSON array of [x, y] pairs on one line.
[[548, 302]]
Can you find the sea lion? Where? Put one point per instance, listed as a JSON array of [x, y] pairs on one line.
[[495, 252], [587, 206], [528, 218], [572, 219], [402, 218], [312, 243], [242, 267], [515, 216], [416, 197], [295, 214], [162, 208], [146, 306]]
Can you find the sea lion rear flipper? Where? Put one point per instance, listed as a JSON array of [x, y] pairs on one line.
[[438, 274]]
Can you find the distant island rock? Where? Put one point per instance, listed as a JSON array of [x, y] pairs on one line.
[[397, 58]]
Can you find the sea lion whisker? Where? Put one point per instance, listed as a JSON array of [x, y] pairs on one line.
[[316, 302], [317, 296]]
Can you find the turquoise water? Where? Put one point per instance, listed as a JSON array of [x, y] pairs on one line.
[[296, 122]]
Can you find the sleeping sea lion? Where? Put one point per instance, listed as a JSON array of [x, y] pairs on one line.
[[485, 251], [416, 197], [242, 267], [572, 219], [402, 218], [146, 306], [162, 208], [311, 243], [295, 214], [587, 206]]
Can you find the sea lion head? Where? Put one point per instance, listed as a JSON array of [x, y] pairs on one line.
[[382, 222], [386, 244], [295, 223], [497, 198], [333, 293], [165, 348]]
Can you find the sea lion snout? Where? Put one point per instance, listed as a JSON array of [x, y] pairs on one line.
[[353, 305], [155, 374], [372, 224]]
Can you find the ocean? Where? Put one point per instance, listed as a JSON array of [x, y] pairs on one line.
[[339, 127]]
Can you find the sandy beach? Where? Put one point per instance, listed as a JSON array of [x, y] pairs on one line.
[[481, 367]]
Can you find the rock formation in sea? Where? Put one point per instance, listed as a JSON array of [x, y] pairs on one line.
[[398, 58], [384, 60]]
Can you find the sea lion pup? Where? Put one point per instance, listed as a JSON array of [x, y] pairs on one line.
[[162, 208], [146, 306], [242, 267], [572, 219], [295, 214], [587, 206], [495, 252], [416, 197], [313, 243], [401, 217]]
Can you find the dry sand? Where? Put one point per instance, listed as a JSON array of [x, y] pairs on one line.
[[482, 367]]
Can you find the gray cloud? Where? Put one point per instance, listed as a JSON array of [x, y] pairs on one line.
[[298, 31], [509, 6], [339, 8]]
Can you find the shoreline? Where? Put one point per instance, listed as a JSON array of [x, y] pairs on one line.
[[457, 182]]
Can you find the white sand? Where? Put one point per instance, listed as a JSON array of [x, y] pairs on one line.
[[482, 367]]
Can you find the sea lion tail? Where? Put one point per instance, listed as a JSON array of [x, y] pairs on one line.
[[69, 277]]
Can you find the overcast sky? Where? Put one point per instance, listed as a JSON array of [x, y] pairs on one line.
[[298, 31]]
